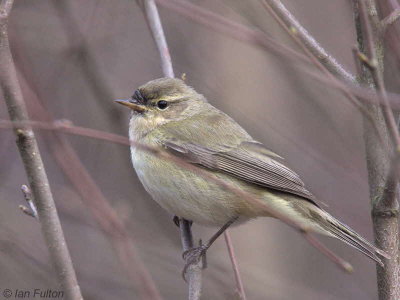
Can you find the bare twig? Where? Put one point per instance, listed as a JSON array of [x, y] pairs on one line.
[[194, 275], [29, 151], [153, 19], [328, 253], [235, 266], [383, 175], [390, 19], [308, 40]]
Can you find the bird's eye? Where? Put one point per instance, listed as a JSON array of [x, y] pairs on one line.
[[162, 104]]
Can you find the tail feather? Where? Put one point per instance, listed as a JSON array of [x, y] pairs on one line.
[[320, 221], [352, 238]]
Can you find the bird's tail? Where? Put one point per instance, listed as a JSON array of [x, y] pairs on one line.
[[318, 220], [352, 238]]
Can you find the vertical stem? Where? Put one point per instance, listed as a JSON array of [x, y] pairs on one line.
[[193, 272], [153, 18], [382, 177], [31, 158]]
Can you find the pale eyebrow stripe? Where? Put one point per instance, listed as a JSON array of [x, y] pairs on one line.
[[175, 99]]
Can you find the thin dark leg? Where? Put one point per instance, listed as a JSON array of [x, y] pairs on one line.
[[220, 231]]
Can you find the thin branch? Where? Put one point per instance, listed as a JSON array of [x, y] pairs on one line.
[[235, 266], [67, 127], [194, 271], [308, 40], [328, 253], [390, 19], [153, 19], [29, 151]]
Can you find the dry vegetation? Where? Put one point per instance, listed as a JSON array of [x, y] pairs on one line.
[[316, 81]]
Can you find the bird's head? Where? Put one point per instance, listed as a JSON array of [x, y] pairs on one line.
[[161, 101]]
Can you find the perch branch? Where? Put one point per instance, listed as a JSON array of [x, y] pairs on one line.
[[193, 273], [31, 158]]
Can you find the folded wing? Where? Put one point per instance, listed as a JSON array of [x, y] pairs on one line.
[[249, 161]]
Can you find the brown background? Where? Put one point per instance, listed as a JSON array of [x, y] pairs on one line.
[[311, 124]]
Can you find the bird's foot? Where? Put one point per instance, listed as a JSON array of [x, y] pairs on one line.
[[193, 257]]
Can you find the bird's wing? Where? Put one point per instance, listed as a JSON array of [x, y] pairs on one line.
[[249, 161]]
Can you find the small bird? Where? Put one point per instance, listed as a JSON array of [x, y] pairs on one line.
[[169, 115]]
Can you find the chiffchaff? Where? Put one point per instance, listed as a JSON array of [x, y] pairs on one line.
[[167, 114]]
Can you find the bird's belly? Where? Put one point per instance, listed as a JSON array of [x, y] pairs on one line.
[[187, 194]]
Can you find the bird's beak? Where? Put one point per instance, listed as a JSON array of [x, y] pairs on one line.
[[136, 107]]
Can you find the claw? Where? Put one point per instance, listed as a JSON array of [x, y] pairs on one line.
[[193, 257]]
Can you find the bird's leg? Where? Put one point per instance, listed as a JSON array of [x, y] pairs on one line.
[[192, 256]]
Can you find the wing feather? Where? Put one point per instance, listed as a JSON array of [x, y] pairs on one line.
[[246, 163]]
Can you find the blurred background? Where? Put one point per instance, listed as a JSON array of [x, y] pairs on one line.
[[74, 57]]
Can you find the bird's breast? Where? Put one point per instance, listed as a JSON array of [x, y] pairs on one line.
[[185, 193]]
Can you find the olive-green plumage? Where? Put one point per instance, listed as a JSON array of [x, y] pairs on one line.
[[168, 114]]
